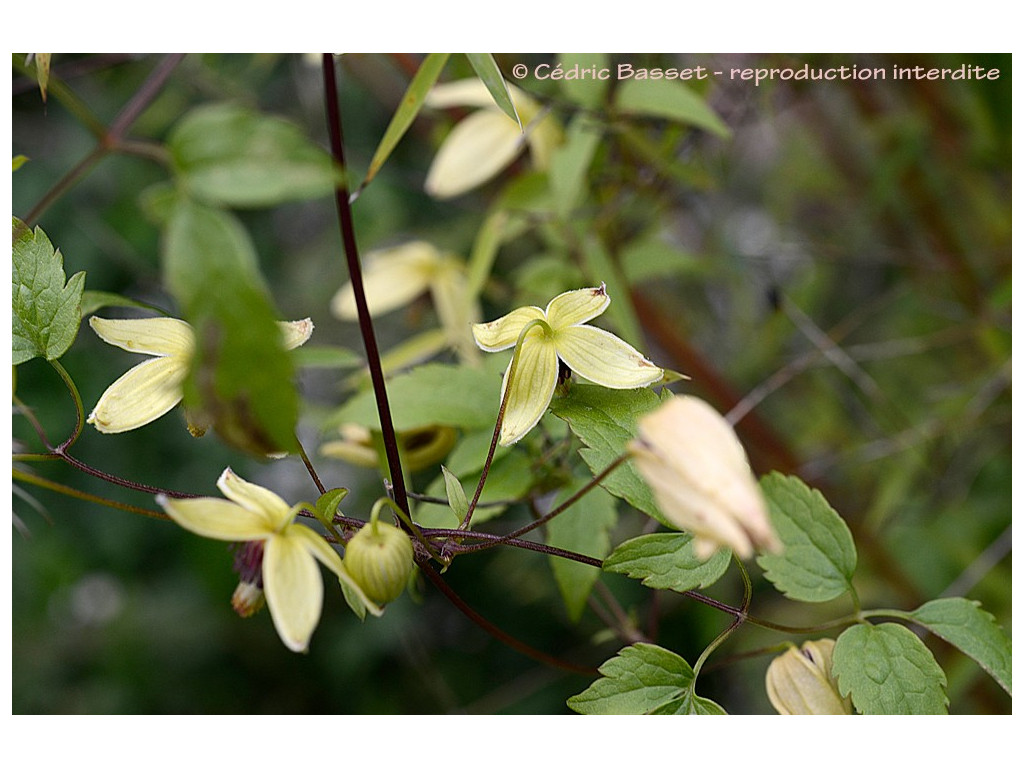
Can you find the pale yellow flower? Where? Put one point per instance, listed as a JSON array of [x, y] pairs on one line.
[[559, 333], [488, 140], [800, 682], [150, 389], [698, 471], [291, 580], [393, 277]]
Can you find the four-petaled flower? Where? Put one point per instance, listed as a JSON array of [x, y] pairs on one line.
[[150, 389], [559, 333], [698, 471], [485, 142], [291, 580]]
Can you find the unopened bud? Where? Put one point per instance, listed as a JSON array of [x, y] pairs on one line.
[[247, 599], [380, 559], [800, 682]]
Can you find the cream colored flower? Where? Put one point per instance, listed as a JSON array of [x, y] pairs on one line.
[[694, 463], [150, 389], [559, 333], [420, 448], [488, 140], [393, 277], [800, 682], [291, 580]]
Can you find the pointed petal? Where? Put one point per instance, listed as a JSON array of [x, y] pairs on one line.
[[576, 307], [326, 554], [293, 586], [162, 336], [216, 519], [475, 151], [604, 358], [257, 499], [392, 278], [504, 332], [143, 394], [531, 389], [469, 92], [296, 333]]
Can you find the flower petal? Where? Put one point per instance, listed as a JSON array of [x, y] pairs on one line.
[[504, 332], [143, 394], [532, 386], [162, 336], [293, 586], [475, 151], [468, 92], [392, 278], [257, 499], [604, 358], [326, 554], [296, 333], [576, 307], [216, 519]]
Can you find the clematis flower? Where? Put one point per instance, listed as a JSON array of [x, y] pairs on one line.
[[290, 579], [393, 277], [488, 140], [698, 471], [800, 682], [559, 333], [150, 389]]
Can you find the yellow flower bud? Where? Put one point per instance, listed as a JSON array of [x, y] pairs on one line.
[[800, 682], [379, 558]]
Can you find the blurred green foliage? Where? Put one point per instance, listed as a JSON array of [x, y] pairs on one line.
[[839, 267]]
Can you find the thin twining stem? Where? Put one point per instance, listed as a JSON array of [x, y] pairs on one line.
[[42, 482], [509, 375], [348, 237]]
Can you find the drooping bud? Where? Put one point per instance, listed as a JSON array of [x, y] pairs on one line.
[[380, 560], [800, 682], [248, 564]]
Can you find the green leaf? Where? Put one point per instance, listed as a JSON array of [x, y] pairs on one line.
[[241, 376], [409, 107], [667, 561], [46, 311], [605, 420], [643, 679], [457, 501], [94, 300], [973, 631], [486, 69], [584, 528], [818, 557], [510, 477], [887, 670], [436, 393], [570, 161], [585, 91], [671, 100], [17, 161], [327, 504], [325, 356], [228, 155], [650, 258]]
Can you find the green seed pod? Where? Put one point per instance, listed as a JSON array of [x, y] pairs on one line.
[[380, 559]]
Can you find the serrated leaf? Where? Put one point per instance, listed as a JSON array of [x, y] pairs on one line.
[[424, 79], [228, 155], [973, 631], [584, 528], [887, 670], [642, 679], [241, 376], [605, 420], [436, 393], [667, 561], [457, 501], [46, 311], [486, 69], [818, 557], [671, 100]]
